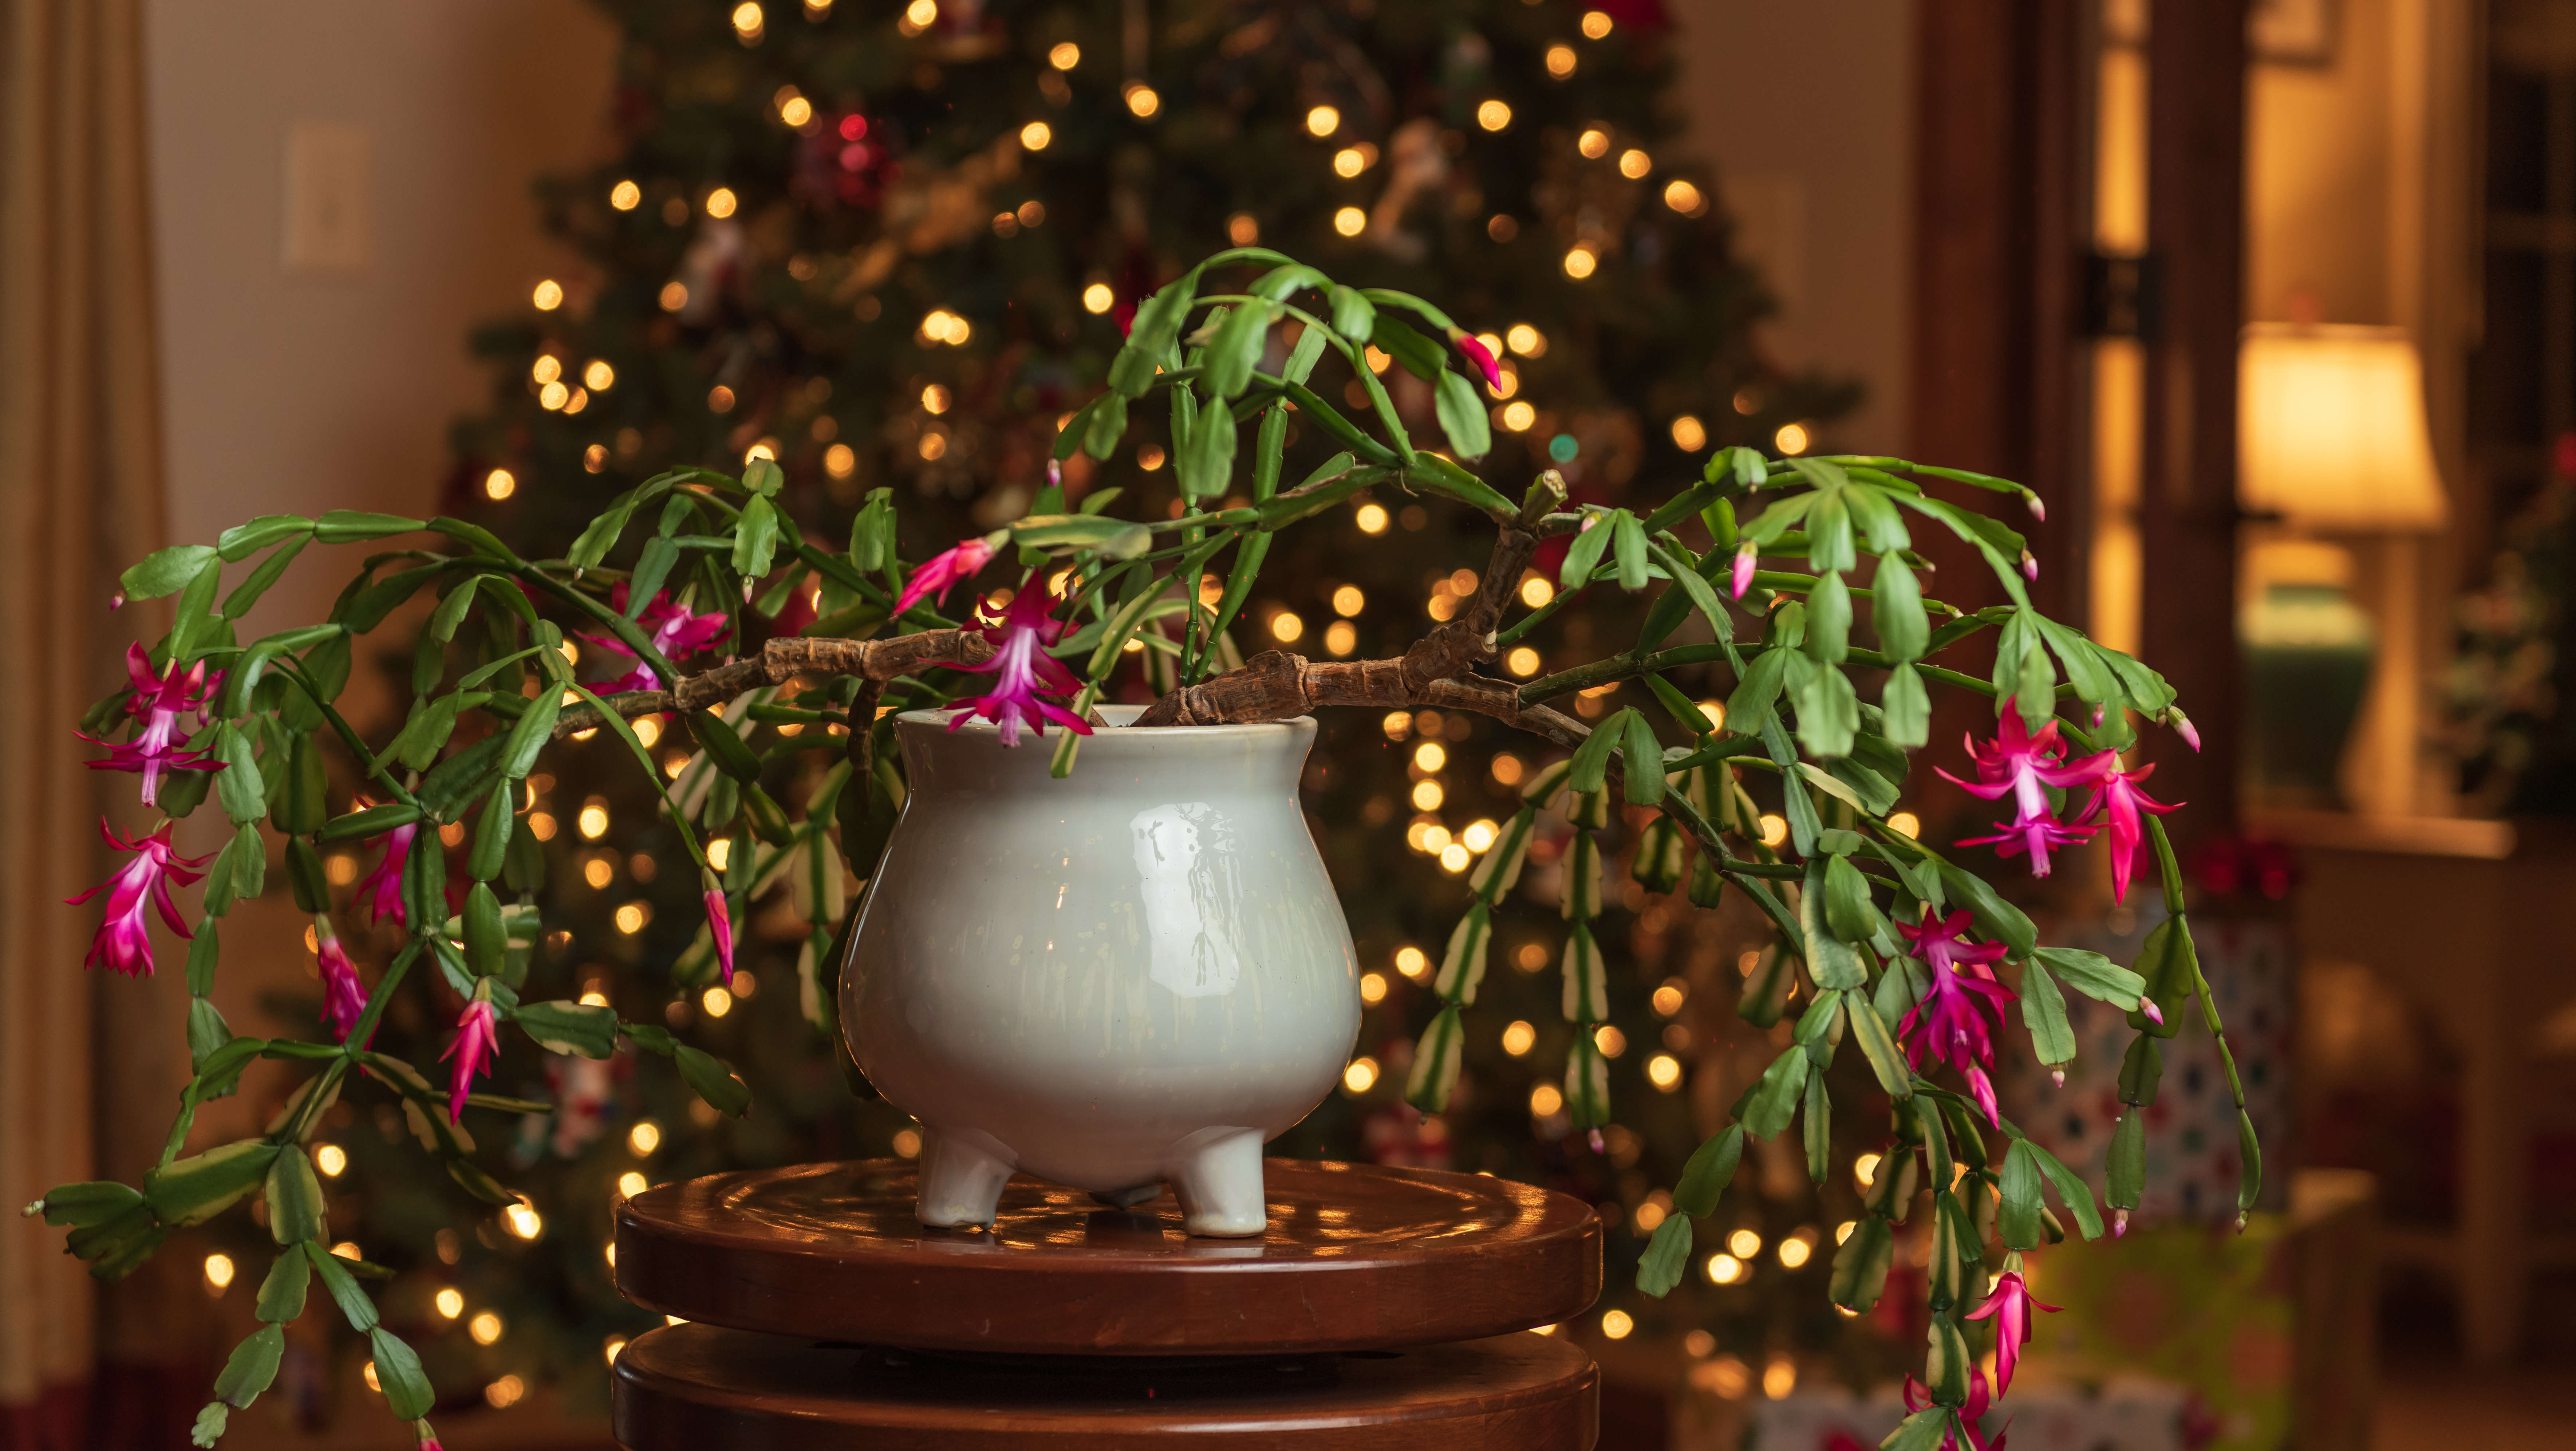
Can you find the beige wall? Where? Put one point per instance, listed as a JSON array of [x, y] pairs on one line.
[[1807, 111], [301, 390]]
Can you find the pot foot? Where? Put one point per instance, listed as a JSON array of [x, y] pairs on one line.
[[1219, 1186], [961, 1181], [1127, 1198]]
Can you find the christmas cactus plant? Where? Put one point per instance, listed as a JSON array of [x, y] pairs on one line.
[[681, 587]]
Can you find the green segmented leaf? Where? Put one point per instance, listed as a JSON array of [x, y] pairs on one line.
[[2018, 1185], [1710, 1170], [1667, 1256], [1869, 1029], [1628, 551], [1500, 868], [252, 1367], [1587, 1084], [166, 571], [1861, 1265], [2071, 1188], [2043, 1011], [1586, 995], [1462, 416], [1773, 1101], [1462, 967], [2124, 1167], [1643, 780], [1896, 610], [1749, 707], [1829, 618], [1435, 1062], [1583, 552]]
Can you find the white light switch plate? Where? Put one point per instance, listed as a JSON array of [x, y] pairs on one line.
[[329, 212]]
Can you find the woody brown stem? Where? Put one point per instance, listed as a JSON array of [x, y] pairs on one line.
[[780, 661]]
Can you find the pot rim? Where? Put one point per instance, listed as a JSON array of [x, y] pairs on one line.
[[1118, 716]]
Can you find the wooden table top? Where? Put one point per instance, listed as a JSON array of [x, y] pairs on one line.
[[704, 1388], [1356, 1258]]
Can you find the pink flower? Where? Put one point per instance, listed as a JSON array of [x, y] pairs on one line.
[[476, 1045], [1742, 580], [943, 571], [720, 926], [381, 888], [159, 701], [344, 998], [2009, 1306], [124, 940], [428, 1437], [1961, 1009], [1917, 1397], [1477, 353], [1023, 673], [2119, 800], [673, 630], [2025, 764]]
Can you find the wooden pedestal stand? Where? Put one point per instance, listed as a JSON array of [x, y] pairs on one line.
[[1381, 1310]]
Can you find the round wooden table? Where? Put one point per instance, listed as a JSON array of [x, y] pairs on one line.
[[1383, 1308]]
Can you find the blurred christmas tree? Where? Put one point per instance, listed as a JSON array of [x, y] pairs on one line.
[[890, 246]]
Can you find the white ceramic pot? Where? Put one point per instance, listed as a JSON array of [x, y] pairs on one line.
[[1133, 976]]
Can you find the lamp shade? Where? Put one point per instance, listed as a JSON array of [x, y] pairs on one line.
[[2331, 432]]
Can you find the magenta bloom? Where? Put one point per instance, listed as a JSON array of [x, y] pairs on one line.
[[1918, 1396], [2009, 1306], [943, 571], [476, 1045], [381, 888], [2023, 764], [158, 701], [1024, 674], [124, 940], [720, 926], [1742, 579], [1466, 342], [671, 627], [1962, 1009], [2119, 800], [344, 998]]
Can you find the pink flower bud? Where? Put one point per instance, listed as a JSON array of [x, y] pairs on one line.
[[1593, 1137], [2057, 1076], [720, 927], [2119, 1223], [1743, 577], [2154, 1014], [2183, 727], [2029, 565], [2037, 509], [116, 601], [1055, 471]]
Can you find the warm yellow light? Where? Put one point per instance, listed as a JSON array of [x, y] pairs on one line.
[[1097, 298], [1795, 1252], [545, 369], [1323, 121], [332, 1160], [1348, 600], [1615, 1324], [1650, 1216], [1065, 56], [1545, 1101], [1493, 115], [1372, 987], [632, 1183], [625, 196], [1479, 834], [485, 1327], [1349, 161], [1143, 102], [549, 295], [1725, 1269], [840, 461], [1609, 1040], [1843, 1231], [645, 1137], [675, 295], [648, 729], [716, 1001], [368, 1373], [1792, 438], [721, 202], [1683, 197], [1431, 755], [1506, 769], [1664, 1071], [1596, 24], [1427, 837], [1579, 263], [1525, 340], [593, 821], [631, 918], [617, 1343], [1714, 712], [1455, 858], [524, 1222], [1905, 823], [744, 985], [1371, 518], [1865, 1170], [934, 399], [594, 998], [504, 1393], [553, 396], [1412, 962], [1427, 795], [1560, 61], [920, 15], [763, 449], [1689, 434], [1779, 1377], [450, 1302], [796, 111], [598, 376], [1594, 143], [1634, 164], [1360, 1076], [720, 853], [219, 1271], [1518, 415], [1036, 135], [1774, 829], [1744, 1243], [1536, 591], [2331, 432], [1285, 626], [500, 484], [1340, 638], [1522, 661], [1350, 221]]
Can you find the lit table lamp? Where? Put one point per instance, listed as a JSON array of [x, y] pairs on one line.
[[2331, 439]]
